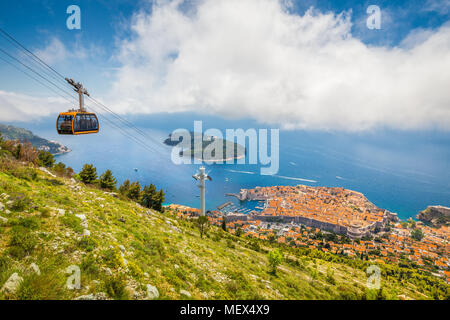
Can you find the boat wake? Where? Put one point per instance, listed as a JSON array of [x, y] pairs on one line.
[[237, 171], [295, 178]]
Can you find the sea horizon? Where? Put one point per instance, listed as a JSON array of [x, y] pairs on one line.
[[403, 172]]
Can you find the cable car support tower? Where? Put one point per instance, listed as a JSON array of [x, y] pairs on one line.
[[202, 177], [78, 88]]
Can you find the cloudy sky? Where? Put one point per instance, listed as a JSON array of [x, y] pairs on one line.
[[293, 64]]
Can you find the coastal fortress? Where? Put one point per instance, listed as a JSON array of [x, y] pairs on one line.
[[332, 209]]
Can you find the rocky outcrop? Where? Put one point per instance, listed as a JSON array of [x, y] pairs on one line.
[[93, 296], [12, 284], [435, 216], [152, 292]]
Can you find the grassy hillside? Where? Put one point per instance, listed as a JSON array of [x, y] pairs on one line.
[[50, 223]]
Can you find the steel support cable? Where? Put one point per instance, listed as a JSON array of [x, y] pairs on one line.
[[29, 52], [33, 59], [12, 40]]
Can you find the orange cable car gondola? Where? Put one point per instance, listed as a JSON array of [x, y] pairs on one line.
[[75, 122]]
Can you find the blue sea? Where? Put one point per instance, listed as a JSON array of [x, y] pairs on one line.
[[402, 171]]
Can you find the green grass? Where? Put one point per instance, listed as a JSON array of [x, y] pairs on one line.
[[219, 266]]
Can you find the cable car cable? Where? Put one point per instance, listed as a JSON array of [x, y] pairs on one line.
[[32, 57], [128, 135], [43, 63], [24, 48]]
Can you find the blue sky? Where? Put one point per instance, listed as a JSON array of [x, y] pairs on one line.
[[36, 22], [91, 54]]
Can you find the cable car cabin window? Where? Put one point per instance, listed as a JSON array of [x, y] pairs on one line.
[[85, 122], [65, 124]]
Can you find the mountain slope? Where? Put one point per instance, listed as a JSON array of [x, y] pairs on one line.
[[126, 251]]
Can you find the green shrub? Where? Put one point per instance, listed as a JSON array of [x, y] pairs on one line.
[[88, 243], [330, 277], [417, 234], [71, 221], [134, 270], [154, 246], [20, 202], [230, 244], [113, 258], [115, 287], [45, 212], [32, 223], [49, 285], [46, 159], [4, 263], [275, 258], [254, 245], [89, 265]]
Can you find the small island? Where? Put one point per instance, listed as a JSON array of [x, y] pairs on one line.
[[9, 132], [201, 144]]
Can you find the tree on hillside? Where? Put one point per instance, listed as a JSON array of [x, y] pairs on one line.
[[203, 225], [46, 159], [17, 151], [134, 192], [107, 180], [271, 237], [60, 169], [88, 174], [417, 234], [29, 152], [275, 258], [69, 172], [224, 224], [148, 196], [124, 187]]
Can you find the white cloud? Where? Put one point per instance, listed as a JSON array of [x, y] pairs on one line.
[[56, 51], [439, 6], [20, 107], [253, 58]]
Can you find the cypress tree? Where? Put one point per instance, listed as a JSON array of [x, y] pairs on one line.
[[224, 224]]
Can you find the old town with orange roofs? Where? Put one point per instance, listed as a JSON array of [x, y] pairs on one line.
[[338, 221]]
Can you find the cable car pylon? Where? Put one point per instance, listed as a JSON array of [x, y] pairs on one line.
[[202, 176], [78, 88]]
